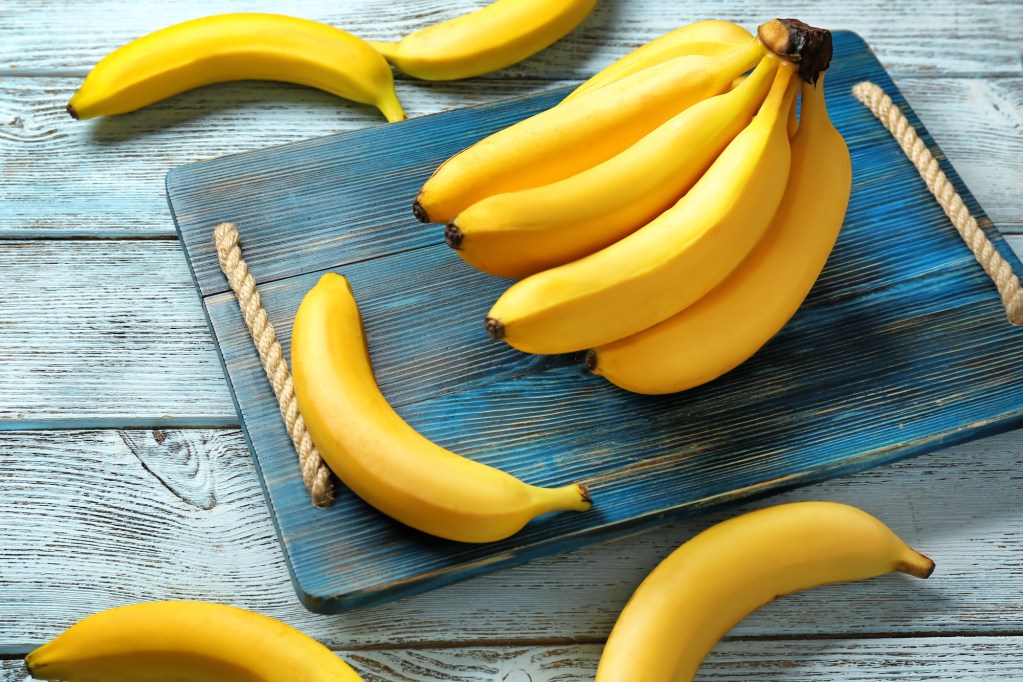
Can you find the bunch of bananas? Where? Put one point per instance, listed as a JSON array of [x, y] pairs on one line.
[[242, 46], [669, 216]]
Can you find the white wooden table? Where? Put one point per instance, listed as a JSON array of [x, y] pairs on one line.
[[123, 475]]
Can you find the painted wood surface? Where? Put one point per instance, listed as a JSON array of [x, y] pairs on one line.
[[105, 178], [916, 36], [833, 660], [64, 291], [924, 356], [178, 514]]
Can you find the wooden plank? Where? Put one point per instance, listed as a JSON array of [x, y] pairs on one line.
[[924, 355], [109, 333], [913, 37], [94, 519], [105, 178], [833, 660], [104, 333]]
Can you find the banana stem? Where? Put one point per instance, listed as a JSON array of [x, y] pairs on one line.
[[388, 50], [916, 565], [800, 43]]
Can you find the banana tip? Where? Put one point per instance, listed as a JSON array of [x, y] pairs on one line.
[[585, 492], [495, 328], [921, 567], [419, 212], [453, 236], [72, 112], [591, 360]]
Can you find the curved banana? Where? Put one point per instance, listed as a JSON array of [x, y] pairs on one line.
[[709, 38], [182, 640], [577, 135], [383, 459], [520, 233], [498, 35], [706, 586], [229, 47], [667, 264], [732, 322]]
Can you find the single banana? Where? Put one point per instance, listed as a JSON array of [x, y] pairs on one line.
[[732, 322], [710, 583], [572, 137], [181, 640], [498, 35], [709, 38], [383, 459], [229, 47], [667, 264], [520, 233]]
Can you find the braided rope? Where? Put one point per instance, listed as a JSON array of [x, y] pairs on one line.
[[315, 473], [996, 267]]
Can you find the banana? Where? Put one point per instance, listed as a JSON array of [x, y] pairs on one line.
[[732, 322], [383, 459], [181, 640], [498, 35], [231, 47], [710, 583], [577, 135], [520, 233], [710, 37], [667, 264]]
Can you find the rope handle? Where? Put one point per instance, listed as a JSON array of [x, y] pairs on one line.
[[996, 267], [315, 473]]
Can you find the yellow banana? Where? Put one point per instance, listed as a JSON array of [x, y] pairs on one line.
[[181, 640], [709, 38], [732, 322], [383, 459], [229, 47], [577, 135], [520, 233], [706, 586], [667, 264], [498, 35]]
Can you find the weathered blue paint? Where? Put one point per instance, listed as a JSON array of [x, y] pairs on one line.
[[901, 348]]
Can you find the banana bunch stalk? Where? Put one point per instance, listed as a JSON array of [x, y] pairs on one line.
[[669, 216]]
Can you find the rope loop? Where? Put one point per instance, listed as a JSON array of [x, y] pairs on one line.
[[315, 473], [996, 267]]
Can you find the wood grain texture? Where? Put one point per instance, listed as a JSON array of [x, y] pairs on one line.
[[107, 333], [833, 660], [105, 178], [54, 287], [924, 356], [913, 37], [95, 519]]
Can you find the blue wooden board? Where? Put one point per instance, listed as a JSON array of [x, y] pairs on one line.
[[902, 347]]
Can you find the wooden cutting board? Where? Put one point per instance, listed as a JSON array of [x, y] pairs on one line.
[[902, 347]]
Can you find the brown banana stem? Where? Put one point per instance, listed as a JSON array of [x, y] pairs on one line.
[[805, 45]]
